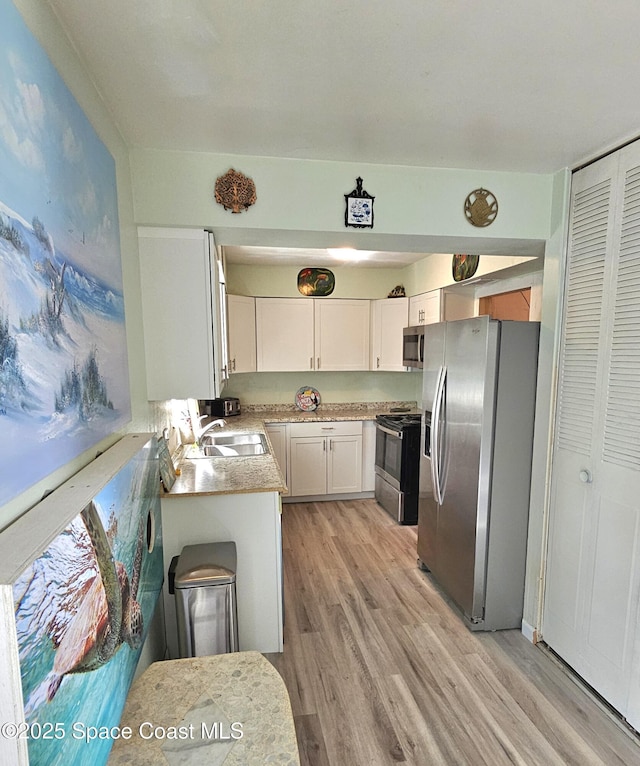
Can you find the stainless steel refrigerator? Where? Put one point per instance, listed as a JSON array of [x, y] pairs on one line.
[[478, 400]]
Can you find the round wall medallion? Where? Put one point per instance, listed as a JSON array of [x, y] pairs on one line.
[[235, 191], [481, 207]]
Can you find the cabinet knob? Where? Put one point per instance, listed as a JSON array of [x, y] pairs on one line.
[[585, 476], [378, 362]]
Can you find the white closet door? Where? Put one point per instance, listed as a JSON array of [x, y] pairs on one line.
[[592, 577]]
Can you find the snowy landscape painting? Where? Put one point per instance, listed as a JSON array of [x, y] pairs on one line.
[[64, 381]]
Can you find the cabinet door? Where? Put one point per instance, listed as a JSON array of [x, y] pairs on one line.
[[344, 464], [425, 308], [284, 334], [242, 333], [342, 334], [389, 317], [178, 320], [308, 465], [592, 583], [278, 438]]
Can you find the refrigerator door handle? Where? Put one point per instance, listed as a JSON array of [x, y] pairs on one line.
[[436, 437]]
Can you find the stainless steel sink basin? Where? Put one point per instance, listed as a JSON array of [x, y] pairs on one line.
[[231, 440], [230, 445]]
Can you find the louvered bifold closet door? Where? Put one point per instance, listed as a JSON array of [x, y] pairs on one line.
[[591, 229], [591, 583], [613, 611]]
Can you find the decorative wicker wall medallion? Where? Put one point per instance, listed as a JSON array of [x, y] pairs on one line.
[[481, 207], [464, 266], [235, 191]]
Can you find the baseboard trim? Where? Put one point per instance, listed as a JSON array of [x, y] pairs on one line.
[[320, 498], [529, 632]]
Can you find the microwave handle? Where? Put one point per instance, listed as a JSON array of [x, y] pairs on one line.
[[421, 348]]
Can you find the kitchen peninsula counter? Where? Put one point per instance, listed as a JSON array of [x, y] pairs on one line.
[[259, 473]]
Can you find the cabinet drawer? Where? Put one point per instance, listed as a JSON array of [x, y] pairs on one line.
[[327, 428]]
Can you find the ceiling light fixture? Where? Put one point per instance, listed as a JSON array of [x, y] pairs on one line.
[[348, 253]]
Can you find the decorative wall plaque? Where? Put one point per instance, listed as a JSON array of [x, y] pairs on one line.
[[235, 191], [316, 282], [464, 266], [359, 208], [481, 207]]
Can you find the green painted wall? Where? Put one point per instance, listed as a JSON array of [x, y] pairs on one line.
[[301, 203], [431, 273], [282, 281], [334, 387]]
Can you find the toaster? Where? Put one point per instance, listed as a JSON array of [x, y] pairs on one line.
[[220, 408]]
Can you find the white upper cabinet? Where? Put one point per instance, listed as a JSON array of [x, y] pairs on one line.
[[425, 308], [242, 333], [312, 334], [284, 334], [181, 307], [341, 334], [389, 317]]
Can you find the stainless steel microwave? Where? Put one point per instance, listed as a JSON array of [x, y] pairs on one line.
[[413, 346]]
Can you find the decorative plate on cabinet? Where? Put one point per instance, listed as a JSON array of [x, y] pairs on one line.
[[307, 398]]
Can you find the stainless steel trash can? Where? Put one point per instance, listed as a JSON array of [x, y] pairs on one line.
[[205, 589]]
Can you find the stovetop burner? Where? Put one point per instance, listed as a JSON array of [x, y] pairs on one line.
[[399, 420]]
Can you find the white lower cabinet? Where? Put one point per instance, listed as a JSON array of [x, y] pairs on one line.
[[253, 522], [325, 458]]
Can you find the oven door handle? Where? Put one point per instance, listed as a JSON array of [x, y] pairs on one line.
[[397, 434], [436, 441]]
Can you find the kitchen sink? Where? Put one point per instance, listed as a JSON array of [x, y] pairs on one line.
[[229, 445]]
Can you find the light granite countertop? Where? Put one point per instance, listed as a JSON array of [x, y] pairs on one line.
[[260, 473], [230, 709]]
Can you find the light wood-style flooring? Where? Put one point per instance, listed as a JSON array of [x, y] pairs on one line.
[[381, 670]]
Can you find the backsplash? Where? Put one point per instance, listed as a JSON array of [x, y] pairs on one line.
[[333, 406], [271, 388]]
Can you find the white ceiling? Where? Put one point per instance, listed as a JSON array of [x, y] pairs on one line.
[[518, 85], [514, 86]]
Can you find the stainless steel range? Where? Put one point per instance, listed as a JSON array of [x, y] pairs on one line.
[[398, 465]]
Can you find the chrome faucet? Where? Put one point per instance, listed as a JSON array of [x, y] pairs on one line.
[[219, 422]]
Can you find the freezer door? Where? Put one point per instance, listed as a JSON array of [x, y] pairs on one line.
[[469, 411], [434, 340], [427, 506]]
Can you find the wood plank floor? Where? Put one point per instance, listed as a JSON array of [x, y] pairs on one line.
[[381, 670]]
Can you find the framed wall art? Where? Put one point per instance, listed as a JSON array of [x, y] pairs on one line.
[[64, 380], [316, 282], [359, 208], [80, 578], [464, 266]]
